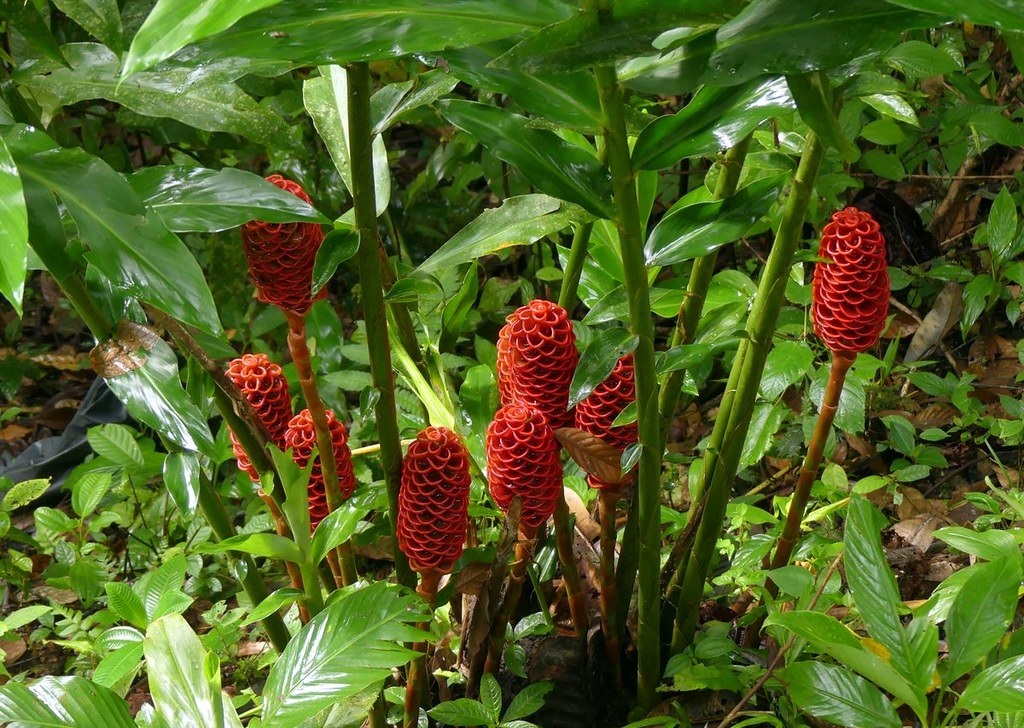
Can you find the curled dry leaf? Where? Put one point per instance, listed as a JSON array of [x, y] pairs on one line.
[[594, 455], [949, 306]]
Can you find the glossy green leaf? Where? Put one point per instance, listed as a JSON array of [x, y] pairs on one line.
[[118, 664], [980, 615], [184, 94], [88, 491], [22, 493], [479, 401], [157, 584], [527, 701], [46, 231], [687, 356], [597, 361], [25, 17], [142, 371], [627, 29], [62, 702], [193, 199], [326, 101], [830, 637], [788, 362], [837, 695], [337, 528], [567, 99], [453, 315], [999, 688], [342, 31], [353, 643], [1002, 225], [395, 99], [1004, 14], [813, 96], [181, 477], [173, 24], [518, 221], [273, 603], [102, 18], [116, 443], [765, 421], [490, 696], [716, 118], [14, 223], [917, 59], [978, 293], [462, 712], [184, 679], [989, 545], [874, 590], [126, 604], [782, 37], [692, 230], [339, 245], [133, 249], [269, 545], [552, 164]]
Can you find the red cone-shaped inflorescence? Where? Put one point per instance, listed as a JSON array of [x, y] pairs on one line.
[[851, 285], [263, 384], [433, 499], [281, 256], [523, 459], [598, 411], [536, 360], [301, 437]]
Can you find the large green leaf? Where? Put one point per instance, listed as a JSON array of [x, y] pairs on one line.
[[193, 199], [269, 545], [173, 24], [837, 695], [567, 99], [395, 99], [326, 101], [980, 615], [691, 230], [813, 96], [352, 644], [181, 478], [131, 247], [142, 371], [62, 702], [999, 688], [598, 360], [14, 223], [25, 17], [342, 31], [102, 18], [781, 37], [1003, 14], [550, 163], [715, 119], [184, 679], [185, 93], [830, 637], [627, 29], [875, 593], [519, 221]]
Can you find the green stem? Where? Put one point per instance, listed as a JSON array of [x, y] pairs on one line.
[[648, 488], [311, 586], [723, 453], [574, 266], [217, 516], [697, 287], [371, 279]]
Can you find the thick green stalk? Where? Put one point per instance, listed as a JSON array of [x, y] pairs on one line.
[[722, 458], [648, 488], [80, 297], [697, 287], [574, 266], [371, 280], [217, 516]]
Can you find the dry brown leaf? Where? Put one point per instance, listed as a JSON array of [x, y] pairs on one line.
[[472, 578], [13, 650], [594, 455], [14, 432], [949, 306]]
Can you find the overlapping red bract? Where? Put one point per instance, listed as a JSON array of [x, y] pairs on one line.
[[851, 288], [263, 384], [281, 256], [523, 459], [536, 360], [598, 411], [433, 500], [301, 437]]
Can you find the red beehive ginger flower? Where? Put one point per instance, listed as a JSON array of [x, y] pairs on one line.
[[851, 286], [301, 437], [263, 384], [523, 459], [598, 411], [537, 358], [281, 256], [433, 500]]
